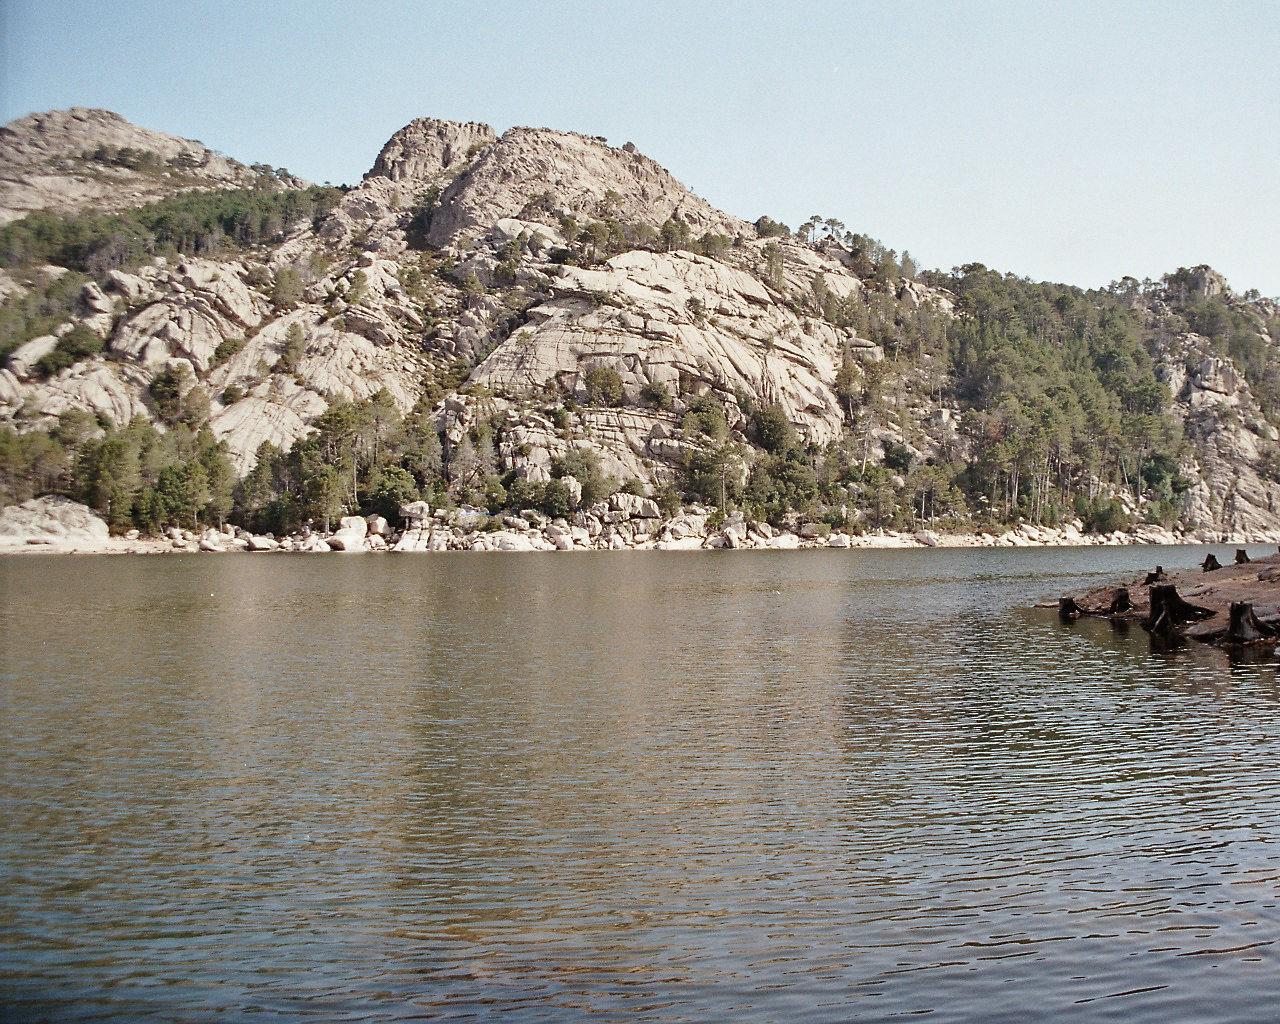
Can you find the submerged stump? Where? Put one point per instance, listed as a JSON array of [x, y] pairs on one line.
[[1169, 611], [1246, 628], [1121, 603], [1237, 608]]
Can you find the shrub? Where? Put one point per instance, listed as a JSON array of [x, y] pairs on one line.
[[773, 430], [392, 488], [584, 466], [227, 348], [706, 416], [656, 394], [78, 343], [1103, 515], [603, 386], [295, 345], [287, 290], [897, 457]]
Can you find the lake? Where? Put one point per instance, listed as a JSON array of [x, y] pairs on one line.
[[721, 786]]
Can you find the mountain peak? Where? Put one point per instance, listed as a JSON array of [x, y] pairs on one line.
[[544, 174], [428, 147], [66, 160]]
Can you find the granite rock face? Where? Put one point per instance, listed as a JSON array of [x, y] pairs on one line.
[[72, 159], [537, 173], [51, 520]]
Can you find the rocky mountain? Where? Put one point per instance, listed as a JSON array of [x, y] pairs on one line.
[[82, 158], [548, 294]]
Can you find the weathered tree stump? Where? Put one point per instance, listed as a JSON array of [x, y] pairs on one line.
[[1210, 563], [1121, 603], [1246, 627], [1242, 556], [1155, 577], [1169, 611], [1068, 610]]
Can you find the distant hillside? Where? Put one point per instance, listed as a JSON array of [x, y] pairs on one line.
[[484, 317]]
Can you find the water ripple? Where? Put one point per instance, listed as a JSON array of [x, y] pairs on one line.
[[846, 786]]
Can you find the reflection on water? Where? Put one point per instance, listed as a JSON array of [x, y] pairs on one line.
[[817, 785]]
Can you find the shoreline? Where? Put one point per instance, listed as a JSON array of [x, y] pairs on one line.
[[505, 542], [57, 525]]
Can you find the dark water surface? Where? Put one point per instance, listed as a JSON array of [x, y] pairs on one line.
[[822, 786]]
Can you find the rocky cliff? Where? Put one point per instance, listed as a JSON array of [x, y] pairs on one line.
[[493, 274], [84, 158]]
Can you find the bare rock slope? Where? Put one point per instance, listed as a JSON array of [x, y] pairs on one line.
[[66, 160]]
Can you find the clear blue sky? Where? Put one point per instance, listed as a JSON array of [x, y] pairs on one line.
[[1069, 141]]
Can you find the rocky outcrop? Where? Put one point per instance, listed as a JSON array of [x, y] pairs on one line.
[[539, 174], [51, 520], [683, 322], [66, 160]]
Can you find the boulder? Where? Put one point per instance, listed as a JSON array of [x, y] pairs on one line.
[[353, 524], [349, 538], [52, 520], [261, 543], [377, 526], [24, 358], [635, 505], [415, 512]]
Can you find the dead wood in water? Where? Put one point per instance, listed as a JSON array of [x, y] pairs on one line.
[[1121, 603], [1196, 604], [1169, 610], [1246, 627]]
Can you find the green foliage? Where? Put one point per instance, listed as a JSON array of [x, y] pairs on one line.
[[603, 386], [286, 291], [656, 394], [767, 227], [1059, 389], [227, 349], [674, 234], [1102, 515], [773, 431], [706, 417], [134, 476], [77, 344], [45, 305], [204, 223], [391, 487], [713, 475], [584, 466], [177, 398], [295, 347]]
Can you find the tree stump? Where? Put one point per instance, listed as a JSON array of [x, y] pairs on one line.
[[1169, 611], [1068, 610], [1155, 577], [1245, 627], [1121, 603], [1242, 556], [1210, 563]]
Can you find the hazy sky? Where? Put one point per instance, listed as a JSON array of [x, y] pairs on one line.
[[1070, 141]]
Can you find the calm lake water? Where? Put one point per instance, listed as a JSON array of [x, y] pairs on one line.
[[814, 786]]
